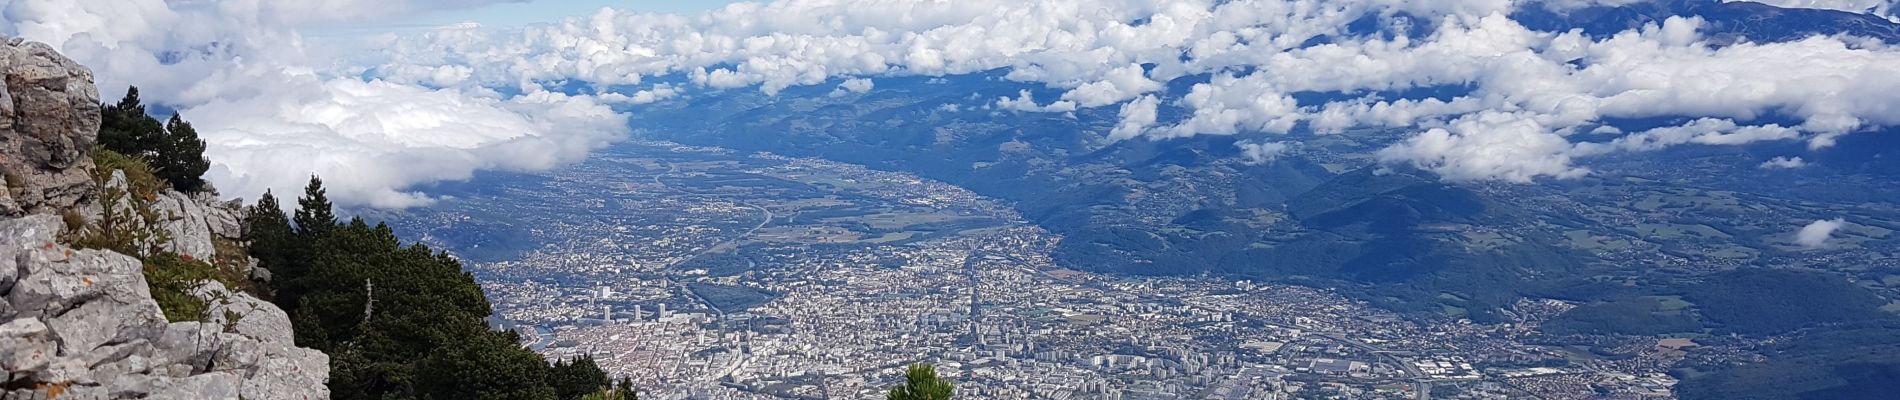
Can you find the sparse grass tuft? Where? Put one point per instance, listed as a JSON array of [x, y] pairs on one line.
[[74, 221], [138, 174], [172, 277], [127, 230], [14, 180]]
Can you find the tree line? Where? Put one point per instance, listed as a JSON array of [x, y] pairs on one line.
[[172, 149], [399, 321]]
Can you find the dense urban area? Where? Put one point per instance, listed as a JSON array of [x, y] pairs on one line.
[[704, 273]]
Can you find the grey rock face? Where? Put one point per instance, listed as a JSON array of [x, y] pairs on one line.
[[196, 222], [49, 119], [193, 224], [254, 343], [83, 322]]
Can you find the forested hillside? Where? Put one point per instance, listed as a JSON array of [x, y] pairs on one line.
[[397, 320]]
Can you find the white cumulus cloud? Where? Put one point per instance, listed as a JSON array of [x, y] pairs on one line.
[[1875, 7], [1521, 93], [1816, 234], [1256, 53], [1136, 116], [1488, 145], [1026, 102], [1256, 153], [1104, 53], [854, 86], [1784, 163], [275, 109]]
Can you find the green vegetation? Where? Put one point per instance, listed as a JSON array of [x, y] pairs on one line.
[[172, 149], [620, 391], [172, 277], [1647, 315], [578, 377], [264, 222], [314, 216], [128, 225], [180, 158], [138, 175], [1749, 301], [152, 157], [921, 383], [397, 321], [1861, 361], [1773, 301], [126, 128]]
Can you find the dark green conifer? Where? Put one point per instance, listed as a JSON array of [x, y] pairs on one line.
[[578, 377], [126, 129], [268, 231], [921, 383], [172, 149], [180, 156], [401, 321], [315, 215]]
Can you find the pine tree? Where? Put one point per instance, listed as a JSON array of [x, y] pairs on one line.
[[273, 243], [315, 215], [267, 229], [126, 129], [265, 225], [486, 365], [172, 149], [576, 378], [403, 321], [180, 156], [625, 391], [622, 390], [921, 383], [400, 321]]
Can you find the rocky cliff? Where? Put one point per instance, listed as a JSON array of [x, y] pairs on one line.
[[196, 223], [49, 118], [82, 323]]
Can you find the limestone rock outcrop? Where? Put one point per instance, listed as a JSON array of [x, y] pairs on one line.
[[193, 223], [83, 323], [49, 119], [197, 221]]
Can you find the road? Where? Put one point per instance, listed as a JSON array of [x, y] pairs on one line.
[[739, 360], [1424, 384], [671, 168]]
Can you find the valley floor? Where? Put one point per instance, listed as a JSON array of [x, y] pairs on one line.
[[704, 273]]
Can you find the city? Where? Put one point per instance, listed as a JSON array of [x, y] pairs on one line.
[[771, 277]]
